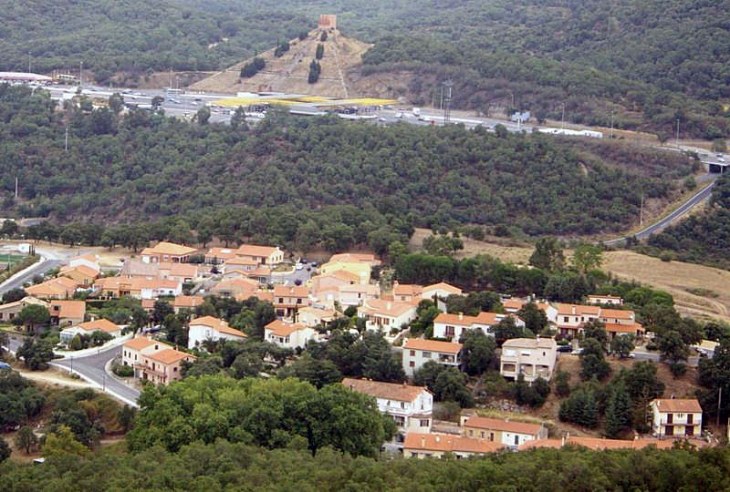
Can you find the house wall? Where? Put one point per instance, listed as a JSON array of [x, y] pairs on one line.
[[413, 360], [199, 333]]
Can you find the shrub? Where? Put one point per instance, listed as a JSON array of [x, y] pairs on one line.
[[678, 369], [123, 371]]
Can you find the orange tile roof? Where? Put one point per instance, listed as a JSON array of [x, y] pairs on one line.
[[386, 308], [291, 291], [54, 287], [619, 328], [407, 290], [241, 261], [344, 275], [181, 269], [679, 405], [169, 356], [254, 250], [188, 301], [99, 325], [503, 425], [541, 443], [597, 296], [483, 318], [170, 249], [385, 391], [530, 343], [69, 309], [281, 329], [221, 253], [443, 286], [84, 270], [261, 295], [617, 313], [600, 444], [218, 325], [578, 310], [448, 444], [432, 346], [142, 342], [148, 303]]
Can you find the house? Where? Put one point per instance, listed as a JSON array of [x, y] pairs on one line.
[[235, 287], [453, 326], [605, 300], [180, 272], [437, 445], [620, 322], [239, 267], [89, 260], [134, 349], [416, 352], [531, 357], [262, 255], [210, 328], [186, 302], [348, 295], [83, 275], [572, 317], [506, 432], [705, 348], [676, 417], [289, 298], [12, 309], [314, 316], [55, 288], [167, 252], [133, 268], [219, 256], [513, 305], [90, 327], [67, 313], [410, 293], [335, 279], [288, 335], [140, 288], [359, 264], [411, 407], [162, 367], [439, 292], [381, 315]]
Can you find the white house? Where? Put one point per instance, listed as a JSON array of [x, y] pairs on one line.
[[416, 352], [676, 417], [90, 260], [531, 357], [381, 315], [210, 328], [134, 349], [605, 300], [453, 326], [410, 406], [439, 293], [422, 446], [90, 327], [288, 335], [313, 316], [706, 348], [514, 304], [509, 433]]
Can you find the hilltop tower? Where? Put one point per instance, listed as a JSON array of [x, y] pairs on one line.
[[327, 21]]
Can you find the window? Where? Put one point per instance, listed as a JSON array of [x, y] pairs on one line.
[[450, 331], [402, 405], [299, 300], [281, 300], [174, 369], [411, 364], [517, 440], [471, 432], [565, 319], [424, 422], [482, 434], [680, 415], [413, 353], [427, 355]]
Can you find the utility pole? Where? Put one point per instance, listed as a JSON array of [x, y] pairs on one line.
[[81, 74], [677, 140], [29, 62], [641, 211], [719, 405], [612, 114], [447, 109], [562, 118], [16, 187], [65, 146]]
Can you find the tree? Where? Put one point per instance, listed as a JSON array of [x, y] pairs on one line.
[[33, 315], [320, 52], [61, 442], [477, 352], [116, 102], [593, 361], [450, 385], [672, 346], [9, 228], [125, 417], [319, 373], [623, 345], [562, 384], [14, 295], [587, 257], [535, 318], [618, 411], [580, 408], [323, 36], [36, 353], [548, 254], [5, 450], [238, 120], [315, 69], [203, 115], [161, 310], [26, 439]]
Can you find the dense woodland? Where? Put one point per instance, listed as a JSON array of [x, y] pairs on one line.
[[307, 172], [701, 238]]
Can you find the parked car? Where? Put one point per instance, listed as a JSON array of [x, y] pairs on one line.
[[564, 348], [577, 351]]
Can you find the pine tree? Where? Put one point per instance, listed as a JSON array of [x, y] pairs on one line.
[[618, 411]]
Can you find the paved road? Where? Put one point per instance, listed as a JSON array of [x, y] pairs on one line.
[[49, 261], [660, 225], [92, 368]]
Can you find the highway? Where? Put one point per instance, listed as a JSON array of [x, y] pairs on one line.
[[49, 260], [664, 222]]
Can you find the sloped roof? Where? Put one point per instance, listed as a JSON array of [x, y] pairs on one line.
[[385, 391], [218, 325], [678, 405], [617, 313], [449, 444], [282, 329], [483, 318], [503, 425], [169, 356], [578, 310], [69, 309], [188, 301], [99, 325], [255, 250], [84, 270], [291, 291], [443, 286], [141, 342], [432, 346], [619, 328], [172, 249], [407, 290], [386, 308]]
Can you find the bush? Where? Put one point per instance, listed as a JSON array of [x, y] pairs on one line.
[[678, 369], [123, 371], [666, 256]]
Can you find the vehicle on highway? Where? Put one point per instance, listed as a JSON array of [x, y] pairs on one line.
[[298, 266], [416, 111], [173, 100], [577, 351], [303, 261], [399, 115], [313, 264]]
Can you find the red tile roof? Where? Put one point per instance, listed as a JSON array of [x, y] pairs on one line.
[[503, 425], [432, 346], [448, 444], [385, 391]]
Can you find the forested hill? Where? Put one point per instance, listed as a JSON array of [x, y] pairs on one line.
[[142, 166], [702, 238], [133, 35]]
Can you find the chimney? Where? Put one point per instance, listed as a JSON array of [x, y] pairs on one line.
[[423, 442], [562, 441], [389, 306], [438, 439], [461, 316]]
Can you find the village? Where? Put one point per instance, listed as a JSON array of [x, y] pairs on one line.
[[346, 293]]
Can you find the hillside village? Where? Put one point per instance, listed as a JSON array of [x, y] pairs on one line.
[[171, 306]]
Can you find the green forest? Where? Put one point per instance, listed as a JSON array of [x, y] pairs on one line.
[[701, 238], [142, 166]]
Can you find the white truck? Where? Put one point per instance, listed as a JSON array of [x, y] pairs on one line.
[[416, 112]]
